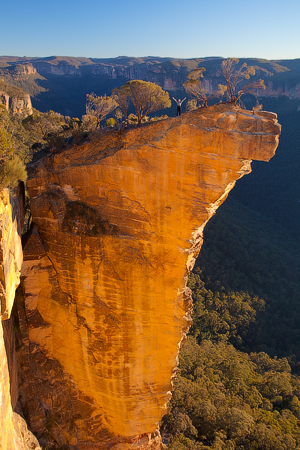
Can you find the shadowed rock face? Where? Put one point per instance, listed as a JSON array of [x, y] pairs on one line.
[[119, 222]]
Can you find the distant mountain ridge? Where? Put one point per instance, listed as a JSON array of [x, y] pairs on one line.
[[61, 83]]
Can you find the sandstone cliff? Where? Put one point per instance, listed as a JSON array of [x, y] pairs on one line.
[[14, 434], [15, 99], [105, 307], [11, 255]]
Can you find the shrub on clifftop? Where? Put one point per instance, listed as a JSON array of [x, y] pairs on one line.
[[12, 171], [12, 168], [146, 97], [99, 107]]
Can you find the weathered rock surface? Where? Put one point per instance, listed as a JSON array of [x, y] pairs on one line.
[[11, 256], [15, 99], [119, 223], [14, 434], [24, 69]]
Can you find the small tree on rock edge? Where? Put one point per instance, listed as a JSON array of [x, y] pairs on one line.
[[194, 86], [99, 107], [234, 76]]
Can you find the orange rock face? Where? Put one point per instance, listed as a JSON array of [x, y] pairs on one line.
[[120, 220], [14, 434], [11, 256]]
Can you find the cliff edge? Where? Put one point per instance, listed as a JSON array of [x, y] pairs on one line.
[[119, 223]]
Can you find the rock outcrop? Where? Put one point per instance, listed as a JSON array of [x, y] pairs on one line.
[[14, 434], [105, 308], [15, 99], [24, 69]]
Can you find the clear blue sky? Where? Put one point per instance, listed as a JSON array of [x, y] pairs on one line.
[[174, 28]]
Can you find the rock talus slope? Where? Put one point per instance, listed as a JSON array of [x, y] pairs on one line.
[[119, 222]]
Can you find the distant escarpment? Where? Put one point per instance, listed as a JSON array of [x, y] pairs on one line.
[[61, 83], [15, 99], [103, 308]]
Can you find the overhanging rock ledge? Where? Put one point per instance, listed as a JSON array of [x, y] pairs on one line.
[[119, 222]]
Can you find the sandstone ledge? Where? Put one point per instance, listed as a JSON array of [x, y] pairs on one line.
[[121, 220]]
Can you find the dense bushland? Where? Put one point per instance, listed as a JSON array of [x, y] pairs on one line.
[[238, 386]]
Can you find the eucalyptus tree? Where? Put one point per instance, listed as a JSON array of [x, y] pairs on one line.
[[237, 80], [146, 97], [99, 106], [195, 88]]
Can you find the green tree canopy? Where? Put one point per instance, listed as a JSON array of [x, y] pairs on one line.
[[12, 168], [146, 97], [226, 399], [46, 127], [122, 96], [6, 142]]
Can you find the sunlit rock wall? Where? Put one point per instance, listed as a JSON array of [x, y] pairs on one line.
[[14, 434], [119, 222]]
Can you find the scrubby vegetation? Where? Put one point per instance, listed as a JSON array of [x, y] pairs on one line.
[[12, 169], [21, 137]]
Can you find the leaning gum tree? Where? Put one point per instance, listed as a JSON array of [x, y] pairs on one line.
[[234, 76]]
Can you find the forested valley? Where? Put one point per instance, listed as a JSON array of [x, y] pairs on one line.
[[239, 381]]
